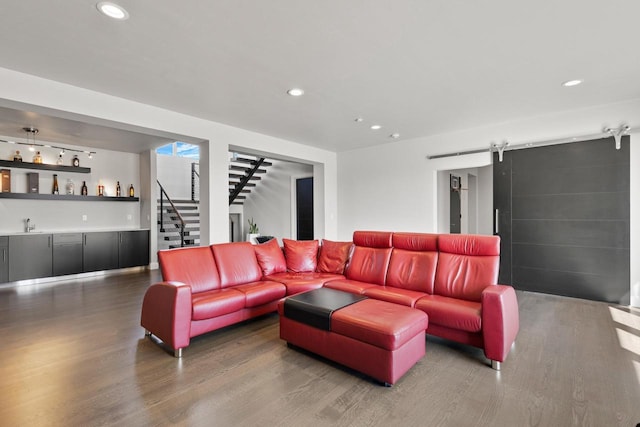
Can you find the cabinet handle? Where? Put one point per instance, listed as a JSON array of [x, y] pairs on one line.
[[49, 241], [84, 238], [4, 255], [497, 219]]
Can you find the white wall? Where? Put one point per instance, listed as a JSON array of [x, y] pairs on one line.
[[174, 173], [107, 167], [270, 202], [394, 186]]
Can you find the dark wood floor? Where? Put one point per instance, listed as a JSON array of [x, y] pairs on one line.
[[73, 354]]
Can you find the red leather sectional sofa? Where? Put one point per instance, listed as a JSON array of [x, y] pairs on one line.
[[453, 278]]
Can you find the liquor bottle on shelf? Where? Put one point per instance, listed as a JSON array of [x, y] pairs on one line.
[[37, 158], [100, 190], [75, 161], [71, 189], [83, 189], [56, 190], [118, 190], [131, 191], [17, 157], [60, 160]]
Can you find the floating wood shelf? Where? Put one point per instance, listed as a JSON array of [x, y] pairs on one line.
[[68, 197], [43, 166]]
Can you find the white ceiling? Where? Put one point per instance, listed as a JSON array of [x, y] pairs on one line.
[[418, 68]]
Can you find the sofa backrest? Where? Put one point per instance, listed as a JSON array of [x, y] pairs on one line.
[[467, 264], [237, 263], [370, 258], [413, 261], [194, 266]]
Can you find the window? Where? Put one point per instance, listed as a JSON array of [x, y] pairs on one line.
[[180, 149]]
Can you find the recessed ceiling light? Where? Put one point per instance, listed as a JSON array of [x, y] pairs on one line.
[[394, 135], [295, 91], [112, 10], [376, 127], [570, 83]]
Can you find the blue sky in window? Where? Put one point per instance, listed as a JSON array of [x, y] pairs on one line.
[[182, 150]]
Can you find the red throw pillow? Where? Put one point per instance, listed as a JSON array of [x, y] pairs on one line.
[[270, 257], [301, 255], [333, 256]]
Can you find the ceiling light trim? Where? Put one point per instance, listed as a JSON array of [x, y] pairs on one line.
[[572, 83], [295, 91], [112, 10]]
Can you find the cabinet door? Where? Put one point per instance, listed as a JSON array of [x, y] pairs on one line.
[[67, 253], [4, 259], [30, 257], [134, 248], [100, 251]]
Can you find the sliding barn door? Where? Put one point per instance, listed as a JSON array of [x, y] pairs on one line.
[[562, 213]]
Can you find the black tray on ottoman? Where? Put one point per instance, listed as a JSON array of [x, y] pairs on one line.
[[314, 308]]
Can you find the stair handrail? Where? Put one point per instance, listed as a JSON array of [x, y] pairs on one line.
[[194, 174], [162, 191]]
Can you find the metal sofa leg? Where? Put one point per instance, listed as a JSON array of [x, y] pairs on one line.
[[147, 333], [496, 365], [177, 353]]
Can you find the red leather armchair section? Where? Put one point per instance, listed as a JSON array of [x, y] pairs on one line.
[[451, 277], [206, 288]]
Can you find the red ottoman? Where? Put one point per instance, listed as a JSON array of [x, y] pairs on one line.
[[380, 339]]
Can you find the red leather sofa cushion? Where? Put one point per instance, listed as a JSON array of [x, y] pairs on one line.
[[415, 241], [372, 239], [452, 312], [395, 295], [412, 270], [467, 264], [333, 256], [192, 266], [352, 286], [379, 323], [301, 255], [469, 244], [263, 292], [206, 305], [369, 265], [270, 257], [302, 282], [237, 263]]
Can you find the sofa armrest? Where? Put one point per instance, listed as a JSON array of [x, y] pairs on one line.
[[166, 313], [500, 321]]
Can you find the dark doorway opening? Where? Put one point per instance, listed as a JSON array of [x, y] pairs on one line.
[[455, 213], [304, 208]]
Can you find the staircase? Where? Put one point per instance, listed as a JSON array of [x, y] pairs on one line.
[[178, 221], [170, 225], [244, 174]]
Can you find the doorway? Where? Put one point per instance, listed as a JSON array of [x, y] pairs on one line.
[[455, 205], [235, 232], [304, 208]]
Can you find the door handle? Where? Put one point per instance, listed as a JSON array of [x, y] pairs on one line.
[[497, 219]]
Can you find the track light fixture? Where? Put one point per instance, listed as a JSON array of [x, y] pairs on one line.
[[31, 142]]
